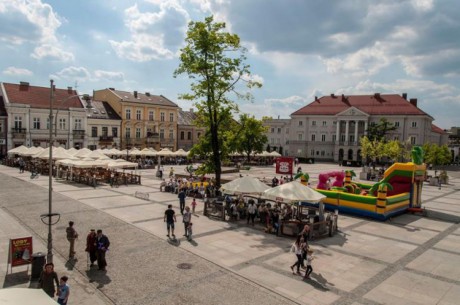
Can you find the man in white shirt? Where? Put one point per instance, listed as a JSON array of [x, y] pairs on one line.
[[252, 210]]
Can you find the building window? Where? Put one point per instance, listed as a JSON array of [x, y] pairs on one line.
[[279, 130], [61, 124], [334, 123], [17, 122], [287, 130], [352, 138], [396, 124], [105, 131], [324, 123], [396, 138], [77, 124], [313, 123], [114, 132], [313, 137], [189, 135], [277, 141], [272, 130], [162, 116], [47, 123], [1, 127], [323, 153], [272, 141], [171, 117], [138, 133], [151, 115], [323, 138], [412, 140], [138, 115], [94, 132], [342, 138], [171, 134], [299, 137], [128, 133], [317, 152], [334, 137], [182, 135], [300, 123], [414, 124], [36, 123], [162, 133], [198, 135], [312, 152], [128, 114]]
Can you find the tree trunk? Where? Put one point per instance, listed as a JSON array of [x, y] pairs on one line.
[[216, 153]]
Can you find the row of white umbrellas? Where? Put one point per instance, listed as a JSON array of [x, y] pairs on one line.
[[62, 153], [261, 154]]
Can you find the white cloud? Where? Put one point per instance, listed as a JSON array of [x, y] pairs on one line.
[[154, 35], [17, 71], [74, 74], [109, 75], [35, 22]]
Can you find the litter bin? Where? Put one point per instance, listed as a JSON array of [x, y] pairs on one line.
[[38, 261]]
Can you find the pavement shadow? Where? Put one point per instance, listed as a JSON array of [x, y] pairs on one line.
[[174, 242], [99, 277], [339, 239], [193, 243], [70, 264], [17, 278], [321, 279]]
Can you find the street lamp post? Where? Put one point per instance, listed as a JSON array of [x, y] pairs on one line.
[[50, 215]]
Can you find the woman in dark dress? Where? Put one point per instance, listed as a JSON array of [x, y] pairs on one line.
[[47, 280]]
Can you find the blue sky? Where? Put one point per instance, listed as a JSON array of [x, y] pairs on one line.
[[298, 49]]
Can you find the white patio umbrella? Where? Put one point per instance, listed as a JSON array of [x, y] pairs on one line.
[[82, 153], [67, 162], [72, 151], [135, 151], [120, 163], [18, 150], [95, 154], [165, 152], [275, 154], [89, 163], [32, 151], [14, 296], [57, 154], [181, 153], [244, 185], [293, 192]]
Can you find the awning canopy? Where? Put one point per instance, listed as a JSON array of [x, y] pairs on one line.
[[244, 185], [293, 192]]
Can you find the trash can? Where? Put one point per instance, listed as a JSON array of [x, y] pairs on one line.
[[38, 261]]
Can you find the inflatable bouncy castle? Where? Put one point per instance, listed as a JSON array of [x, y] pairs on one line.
[[398, 190]]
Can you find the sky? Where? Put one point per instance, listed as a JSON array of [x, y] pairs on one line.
[[297, 49]]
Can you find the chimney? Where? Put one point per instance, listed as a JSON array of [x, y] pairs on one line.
[[135, 94], [316, 98], [112, 89], [332, 95], [147, 93], [343, 98], [69, 89], [413, 101], [404, 96], [25, 84], [377, 95]]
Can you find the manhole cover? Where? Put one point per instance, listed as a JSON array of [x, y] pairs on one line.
[[184, 266]]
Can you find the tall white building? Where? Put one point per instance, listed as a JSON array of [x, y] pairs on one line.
[[28, 116], [329, 128]]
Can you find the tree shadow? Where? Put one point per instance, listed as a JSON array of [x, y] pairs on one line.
[[98, 276]]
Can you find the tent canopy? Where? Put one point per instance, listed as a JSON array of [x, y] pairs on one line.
[[244, 185], [18, 150], [14, 296], [293, 192]]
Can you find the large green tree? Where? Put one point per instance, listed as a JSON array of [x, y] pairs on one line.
[[250, 136], [215, 62], [379, 130], [437, 155]]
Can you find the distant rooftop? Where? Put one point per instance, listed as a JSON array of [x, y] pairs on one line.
[[144, 98]]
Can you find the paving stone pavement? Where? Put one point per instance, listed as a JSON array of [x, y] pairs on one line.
[[407, 260]]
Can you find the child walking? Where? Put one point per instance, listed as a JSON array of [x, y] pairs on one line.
[[64, 291], [193, 205], [309, 267], [297, 249]]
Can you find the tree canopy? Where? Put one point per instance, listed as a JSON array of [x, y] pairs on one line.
[[437, 155], [250, 136], [379, 131], [214, 61]]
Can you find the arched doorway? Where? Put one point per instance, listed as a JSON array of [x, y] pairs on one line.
[[341, 154], [350, 155]]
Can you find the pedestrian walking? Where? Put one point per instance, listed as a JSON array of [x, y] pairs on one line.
[[181, 197], [48, 278], [309, 267], [170, 219], [252, 210], [91, 247], [186, 218], [194, 205], [297, 249], [22, 165], [72, 235], [64, 291], [102, 245]]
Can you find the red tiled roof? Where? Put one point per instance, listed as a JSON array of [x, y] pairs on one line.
[[39, 97], [383, 104], [437, 129]]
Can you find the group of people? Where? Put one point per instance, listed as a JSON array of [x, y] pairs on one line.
[[281, 180], [304, 254], [97, 244], [197, 188], [52, 286]]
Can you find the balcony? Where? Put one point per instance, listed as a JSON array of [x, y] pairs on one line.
[[78, 134], [106, 139], [19, 133], [153, 135]]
